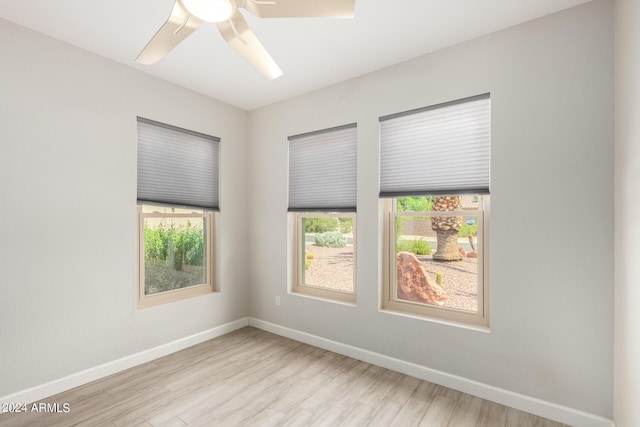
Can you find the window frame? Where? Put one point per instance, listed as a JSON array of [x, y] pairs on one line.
[[165, 297], [299, 256], [432, 312]]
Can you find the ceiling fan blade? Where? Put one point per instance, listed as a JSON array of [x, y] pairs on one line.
[[178, 27], [299, 8], [237, 33]]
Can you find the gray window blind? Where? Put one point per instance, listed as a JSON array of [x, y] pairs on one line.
[[322, 170], [442, 149], [177, 167]]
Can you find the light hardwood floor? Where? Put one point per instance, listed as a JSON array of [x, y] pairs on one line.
[[254, 378]]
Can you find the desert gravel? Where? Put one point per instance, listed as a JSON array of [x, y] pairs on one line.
[[333, 268]]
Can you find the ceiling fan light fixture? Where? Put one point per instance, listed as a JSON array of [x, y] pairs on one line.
[[210, 10]]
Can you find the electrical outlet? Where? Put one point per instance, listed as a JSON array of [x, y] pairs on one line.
[[278, 300]]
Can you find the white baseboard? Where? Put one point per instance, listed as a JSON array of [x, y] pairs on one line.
[[83, 377], [528, 404]]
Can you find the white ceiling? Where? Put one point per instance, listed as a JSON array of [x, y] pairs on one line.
[[312, 52]]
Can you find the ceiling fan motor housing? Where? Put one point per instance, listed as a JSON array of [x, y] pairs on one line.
[[211, 10]]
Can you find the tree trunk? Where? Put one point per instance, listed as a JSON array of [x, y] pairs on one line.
[[447, 249], [446, 228]]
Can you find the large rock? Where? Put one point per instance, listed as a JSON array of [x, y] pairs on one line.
[[414, 284]]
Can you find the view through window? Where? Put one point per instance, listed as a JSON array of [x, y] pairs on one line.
[[325, 254], [175, 254], [326, 258], [439, 252]]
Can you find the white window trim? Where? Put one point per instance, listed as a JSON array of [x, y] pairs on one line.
[[299, 256], [432, 312], [177, 294]]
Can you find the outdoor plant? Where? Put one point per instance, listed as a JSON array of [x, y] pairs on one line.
[[185, 244], [156, 244], [346, 225], [468, 230], [415, 204], [320, 225], [418, 247], [307, 261], [174, 257], [330, 239]]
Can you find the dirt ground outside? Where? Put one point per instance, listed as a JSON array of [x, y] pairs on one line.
[[332, 268]]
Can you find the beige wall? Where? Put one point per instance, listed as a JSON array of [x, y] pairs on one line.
[[627, 270], [68, 210]]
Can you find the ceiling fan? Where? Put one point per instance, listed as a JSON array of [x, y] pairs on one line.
[[187, 15]]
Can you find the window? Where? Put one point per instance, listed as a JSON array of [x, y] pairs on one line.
[[176, 253], [322, 201], [434, 179], [325, 255], [436, 261], [178, 175]]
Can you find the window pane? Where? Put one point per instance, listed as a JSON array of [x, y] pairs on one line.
[[437, 260], [174, 253], [328, 259]]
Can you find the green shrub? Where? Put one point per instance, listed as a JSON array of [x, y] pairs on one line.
[[320, 225], [346, 225], [193, 240], [156, 244], [184, 245], [331, 239], [418, 247], [467, 230], [415, 204]]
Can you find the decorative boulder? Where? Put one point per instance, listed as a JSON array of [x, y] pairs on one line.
[[414, 284]]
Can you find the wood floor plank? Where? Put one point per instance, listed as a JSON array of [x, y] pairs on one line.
[[466, 412], [385, 414], [325, 392], [492, 415], [402, 390], [353, 389], [411, 413], [425, 391], [266, 418], [341, 365], [358, 414], [299, 391], [168, 422], [327, 416], [516, 418], [439, 412], [299, 417], [379, 388], [253, 378]]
